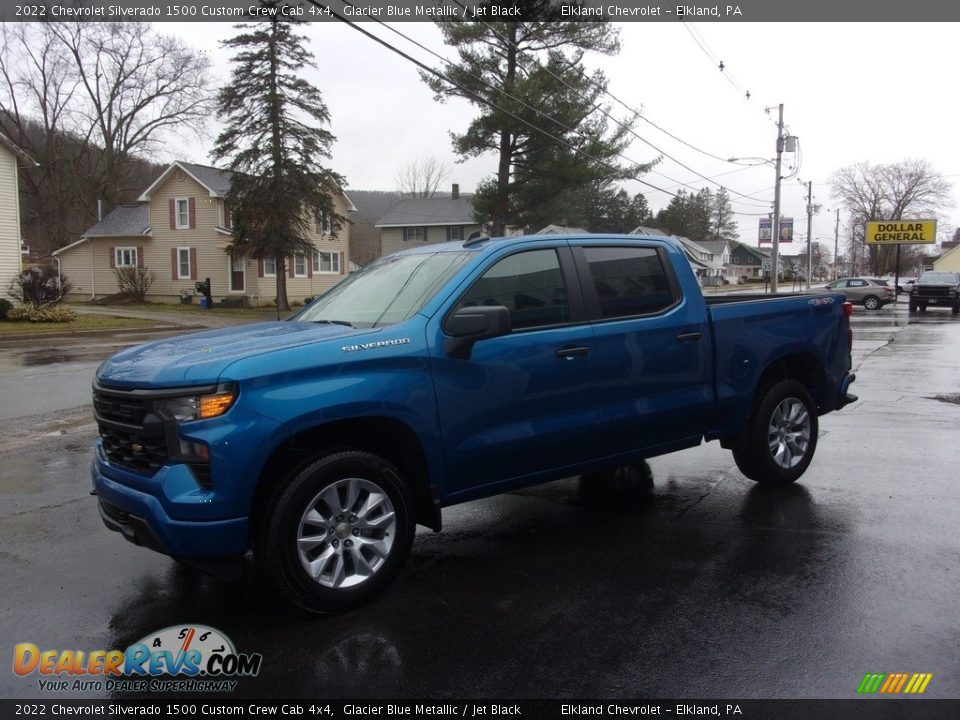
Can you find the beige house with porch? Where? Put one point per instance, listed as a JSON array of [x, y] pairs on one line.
[[180, 229]]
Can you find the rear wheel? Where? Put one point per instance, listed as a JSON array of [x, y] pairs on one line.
[[781, 436], [338, 532], [871, 302], [911, 307]]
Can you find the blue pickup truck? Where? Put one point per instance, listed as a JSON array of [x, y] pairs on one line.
[[442, 374]]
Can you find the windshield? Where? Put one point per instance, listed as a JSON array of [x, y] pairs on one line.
[[939, 278], [388, 291]]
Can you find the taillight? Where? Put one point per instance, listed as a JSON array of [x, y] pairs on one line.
[[848, 311]]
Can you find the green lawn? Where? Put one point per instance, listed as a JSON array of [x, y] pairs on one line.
[[82, 323], [261, 312]]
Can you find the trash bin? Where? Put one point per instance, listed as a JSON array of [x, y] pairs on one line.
[[204, 304]]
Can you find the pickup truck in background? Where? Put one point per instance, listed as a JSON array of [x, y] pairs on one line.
[[443, 374], [941, 289]]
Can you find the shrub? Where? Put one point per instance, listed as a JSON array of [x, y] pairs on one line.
[[134, 281], [5, 306], [39, 286], [18, 313], [52, 314]]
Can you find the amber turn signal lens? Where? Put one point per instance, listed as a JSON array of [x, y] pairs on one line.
[[214, 405]]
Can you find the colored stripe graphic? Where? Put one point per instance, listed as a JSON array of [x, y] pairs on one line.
[[894, 683], [918, 683], [870, 683]]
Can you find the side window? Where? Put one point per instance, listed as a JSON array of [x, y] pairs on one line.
[[629, 280], [529, 284]]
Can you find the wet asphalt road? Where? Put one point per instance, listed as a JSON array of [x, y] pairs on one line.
[[698, 584]]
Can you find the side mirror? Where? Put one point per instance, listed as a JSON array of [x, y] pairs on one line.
[[469, 324]]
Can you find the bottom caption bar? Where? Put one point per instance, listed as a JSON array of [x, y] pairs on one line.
[[866, 708]]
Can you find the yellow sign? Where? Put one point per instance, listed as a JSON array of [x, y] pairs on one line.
[[901, 232]]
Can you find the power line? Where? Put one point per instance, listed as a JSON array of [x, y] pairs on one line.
[[436, 73], [524, 103], [621, 124]]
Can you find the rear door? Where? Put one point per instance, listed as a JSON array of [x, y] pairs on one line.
[[654, 388], [521, 405]]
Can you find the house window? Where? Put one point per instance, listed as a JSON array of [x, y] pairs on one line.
[[324, 226], [326, 262], [183, 264], [415, 233], [270, 267], [299, 265], [125, 257], [455, 232], [182, 213]]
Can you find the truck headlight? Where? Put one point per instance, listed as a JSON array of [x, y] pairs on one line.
[[198, 407]]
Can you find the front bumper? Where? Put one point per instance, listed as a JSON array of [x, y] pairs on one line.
[[140, 516]]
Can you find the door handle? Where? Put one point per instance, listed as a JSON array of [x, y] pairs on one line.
[[570, 353], [689, 336]]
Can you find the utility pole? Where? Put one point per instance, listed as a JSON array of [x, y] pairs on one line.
[[836, 245], [775, 225], [809, 230]]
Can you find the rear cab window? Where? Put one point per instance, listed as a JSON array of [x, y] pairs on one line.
[[628, 281]]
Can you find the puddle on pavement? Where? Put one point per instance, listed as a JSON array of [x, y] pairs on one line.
[[38, 358]]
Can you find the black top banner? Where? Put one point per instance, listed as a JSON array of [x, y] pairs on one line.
[[497, 10]]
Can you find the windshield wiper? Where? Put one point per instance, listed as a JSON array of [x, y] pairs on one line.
[[347, 323]]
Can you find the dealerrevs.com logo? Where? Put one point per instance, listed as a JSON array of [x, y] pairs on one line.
[[894, 683], [180, 658]]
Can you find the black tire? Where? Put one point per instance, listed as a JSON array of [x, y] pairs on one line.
[[349, 517], [911, 307], [871, 302], [923, 307], [785, 411], [955, 309]]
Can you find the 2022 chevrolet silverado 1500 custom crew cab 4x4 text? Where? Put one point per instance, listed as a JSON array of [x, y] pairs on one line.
[[443, 374]]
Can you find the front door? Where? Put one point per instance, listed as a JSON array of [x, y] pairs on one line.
[[238, 277], [520, 406]]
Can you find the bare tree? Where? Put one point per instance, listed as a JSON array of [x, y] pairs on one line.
[[38, 83], [908, 189], [89, 101], [422, 178], [135, 86]]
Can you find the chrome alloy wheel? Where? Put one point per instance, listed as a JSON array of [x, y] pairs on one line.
[[346, 533], [789, 432]]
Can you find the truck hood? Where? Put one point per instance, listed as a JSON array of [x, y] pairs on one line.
[[200, 358]]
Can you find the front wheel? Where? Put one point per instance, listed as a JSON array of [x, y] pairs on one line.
[[781, 436], [871, 302], [338, 532]]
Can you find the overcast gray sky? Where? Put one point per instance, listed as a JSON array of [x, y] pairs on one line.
[[852, 92]]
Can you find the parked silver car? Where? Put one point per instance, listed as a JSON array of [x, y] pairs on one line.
[[872, 293]]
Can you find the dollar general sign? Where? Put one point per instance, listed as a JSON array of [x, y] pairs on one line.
[[901, 232]]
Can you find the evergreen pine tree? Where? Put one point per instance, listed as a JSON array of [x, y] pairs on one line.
[[274, 142], [524, 76]]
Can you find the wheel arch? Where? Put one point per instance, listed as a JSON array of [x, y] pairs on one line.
[[389, 438], [803, 367]]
